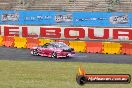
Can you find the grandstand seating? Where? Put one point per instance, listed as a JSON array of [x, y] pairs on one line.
[[67, 5], [4, 4]]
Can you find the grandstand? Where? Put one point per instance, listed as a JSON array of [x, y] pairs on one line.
[[68, 5]]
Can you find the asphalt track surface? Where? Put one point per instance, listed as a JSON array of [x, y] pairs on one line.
[[24, 55]]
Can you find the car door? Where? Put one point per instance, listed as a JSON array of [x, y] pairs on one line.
[[49, 49], [44, 49]]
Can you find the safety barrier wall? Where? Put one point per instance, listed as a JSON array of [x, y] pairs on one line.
[[20, 42], [44, 41], [1, 40], [79, 46], [126, 48], [95, 19], [111, 48], [8, 41], [31, 42], [94, 47]]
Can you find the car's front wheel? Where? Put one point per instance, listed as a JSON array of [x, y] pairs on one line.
[[54, 55], [34, 52]]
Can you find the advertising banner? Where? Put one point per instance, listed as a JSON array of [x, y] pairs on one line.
[[102, 19], [51, 18], [72, 33]]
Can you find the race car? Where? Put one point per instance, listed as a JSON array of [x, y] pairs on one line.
[[54, 50]]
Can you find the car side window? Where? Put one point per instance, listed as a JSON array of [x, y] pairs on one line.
[[50, 46]]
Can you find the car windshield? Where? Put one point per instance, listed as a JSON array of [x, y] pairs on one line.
[[60, 45], [45, 45]]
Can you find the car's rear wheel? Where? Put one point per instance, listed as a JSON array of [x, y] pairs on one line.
[[54, 55], [34, 52]]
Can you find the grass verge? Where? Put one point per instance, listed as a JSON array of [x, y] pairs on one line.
[[44, 74]]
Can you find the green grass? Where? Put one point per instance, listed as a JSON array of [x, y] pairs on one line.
[[44, 74]]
